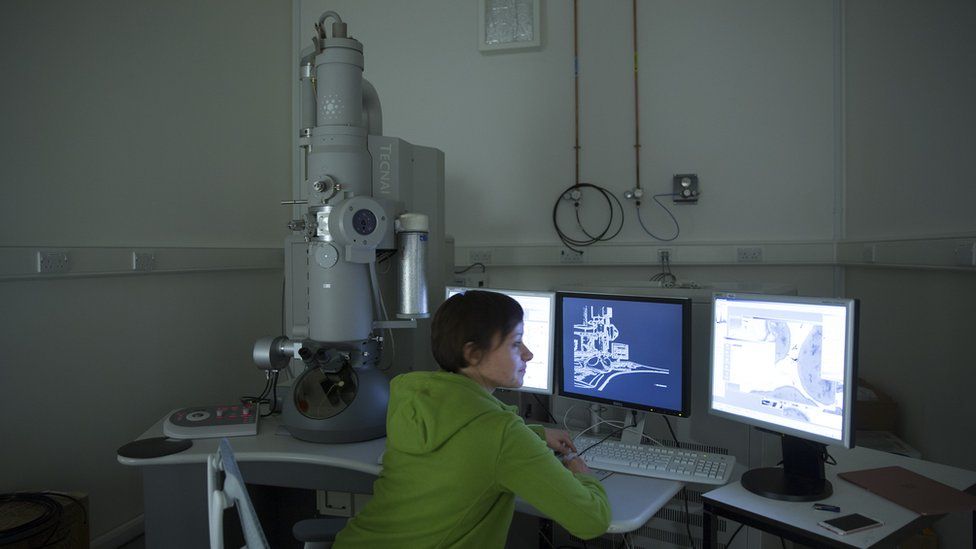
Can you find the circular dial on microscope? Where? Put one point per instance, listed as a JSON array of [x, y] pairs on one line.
[[364, 222]]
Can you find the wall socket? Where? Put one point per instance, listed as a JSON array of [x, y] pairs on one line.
[[336, 504], [471, 279], [143, 261], [568, 257], [52, 262], [966, 254], [749, 254], [665, 254], [869, 253], [480, 255]]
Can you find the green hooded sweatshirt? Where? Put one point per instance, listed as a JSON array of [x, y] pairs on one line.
[[455, 459]]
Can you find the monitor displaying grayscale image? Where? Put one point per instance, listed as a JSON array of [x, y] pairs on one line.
[[784, 363], [788, 365]]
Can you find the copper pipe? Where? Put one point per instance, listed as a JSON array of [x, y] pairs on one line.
[[637, 145], [576, 147]]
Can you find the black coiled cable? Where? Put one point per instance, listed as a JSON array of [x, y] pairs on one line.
[[49, 519], [574, 243]]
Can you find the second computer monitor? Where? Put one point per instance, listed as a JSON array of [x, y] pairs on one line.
[[786, 364], [537, 309], [628, 351]]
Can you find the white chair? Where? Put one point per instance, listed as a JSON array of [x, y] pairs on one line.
[[232, 492], [317, 533]]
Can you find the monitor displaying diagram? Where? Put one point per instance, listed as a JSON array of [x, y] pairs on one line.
[[784, 363], [628, 351]]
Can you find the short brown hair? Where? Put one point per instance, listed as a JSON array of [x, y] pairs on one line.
[[475, 316]]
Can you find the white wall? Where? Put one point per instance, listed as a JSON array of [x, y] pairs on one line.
[[910, 81], [89, 364], [134, 124], [910, 116], [911, 77], [923, 357], [147, 123]]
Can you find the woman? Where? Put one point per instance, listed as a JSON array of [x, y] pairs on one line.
[[456, 456]]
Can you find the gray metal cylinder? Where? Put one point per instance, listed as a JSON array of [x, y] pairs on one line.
[[339, 83], [372, 111], [306, 72], [273, 353], [412, 242], [339, 152], [338, 296]]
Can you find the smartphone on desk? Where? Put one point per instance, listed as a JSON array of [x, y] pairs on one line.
[[848, 524]]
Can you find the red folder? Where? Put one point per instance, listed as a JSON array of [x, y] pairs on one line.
[[911, 490]]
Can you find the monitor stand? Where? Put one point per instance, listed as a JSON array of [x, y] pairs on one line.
[[801, 478], [633, 435]]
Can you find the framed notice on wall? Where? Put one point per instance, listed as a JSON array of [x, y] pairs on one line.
[[508, 24]]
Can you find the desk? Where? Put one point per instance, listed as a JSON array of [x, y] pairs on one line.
[[174, 485], [797, 521]]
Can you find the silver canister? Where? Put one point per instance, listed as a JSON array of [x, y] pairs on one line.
[[412, 233]]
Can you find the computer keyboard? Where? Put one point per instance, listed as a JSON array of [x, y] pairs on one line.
[[656, 461]]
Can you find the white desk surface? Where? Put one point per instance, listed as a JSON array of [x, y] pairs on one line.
[[633, 500], [267, 445], [849, 497]]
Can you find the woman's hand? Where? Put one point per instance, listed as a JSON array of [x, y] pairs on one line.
[[577, 465], [560, 441]]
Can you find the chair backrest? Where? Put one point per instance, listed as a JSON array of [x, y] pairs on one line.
[[232, 492]]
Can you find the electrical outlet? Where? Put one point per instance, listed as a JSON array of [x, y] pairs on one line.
[[143, 261], [966, 254], [749, 254], [480, 255], [570, 257], [869, 253], [336, 504], [471, 280], [665, 254], [53, 262]]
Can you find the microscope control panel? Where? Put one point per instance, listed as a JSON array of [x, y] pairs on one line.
[[228, 420]]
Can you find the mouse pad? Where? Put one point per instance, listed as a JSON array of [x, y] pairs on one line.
[[153, 447]]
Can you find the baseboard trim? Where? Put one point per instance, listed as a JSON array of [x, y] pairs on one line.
[[21, 262], [121, 535]]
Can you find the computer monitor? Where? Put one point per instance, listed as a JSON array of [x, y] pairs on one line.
[[627, 351], [538, 312], [786, 364]]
